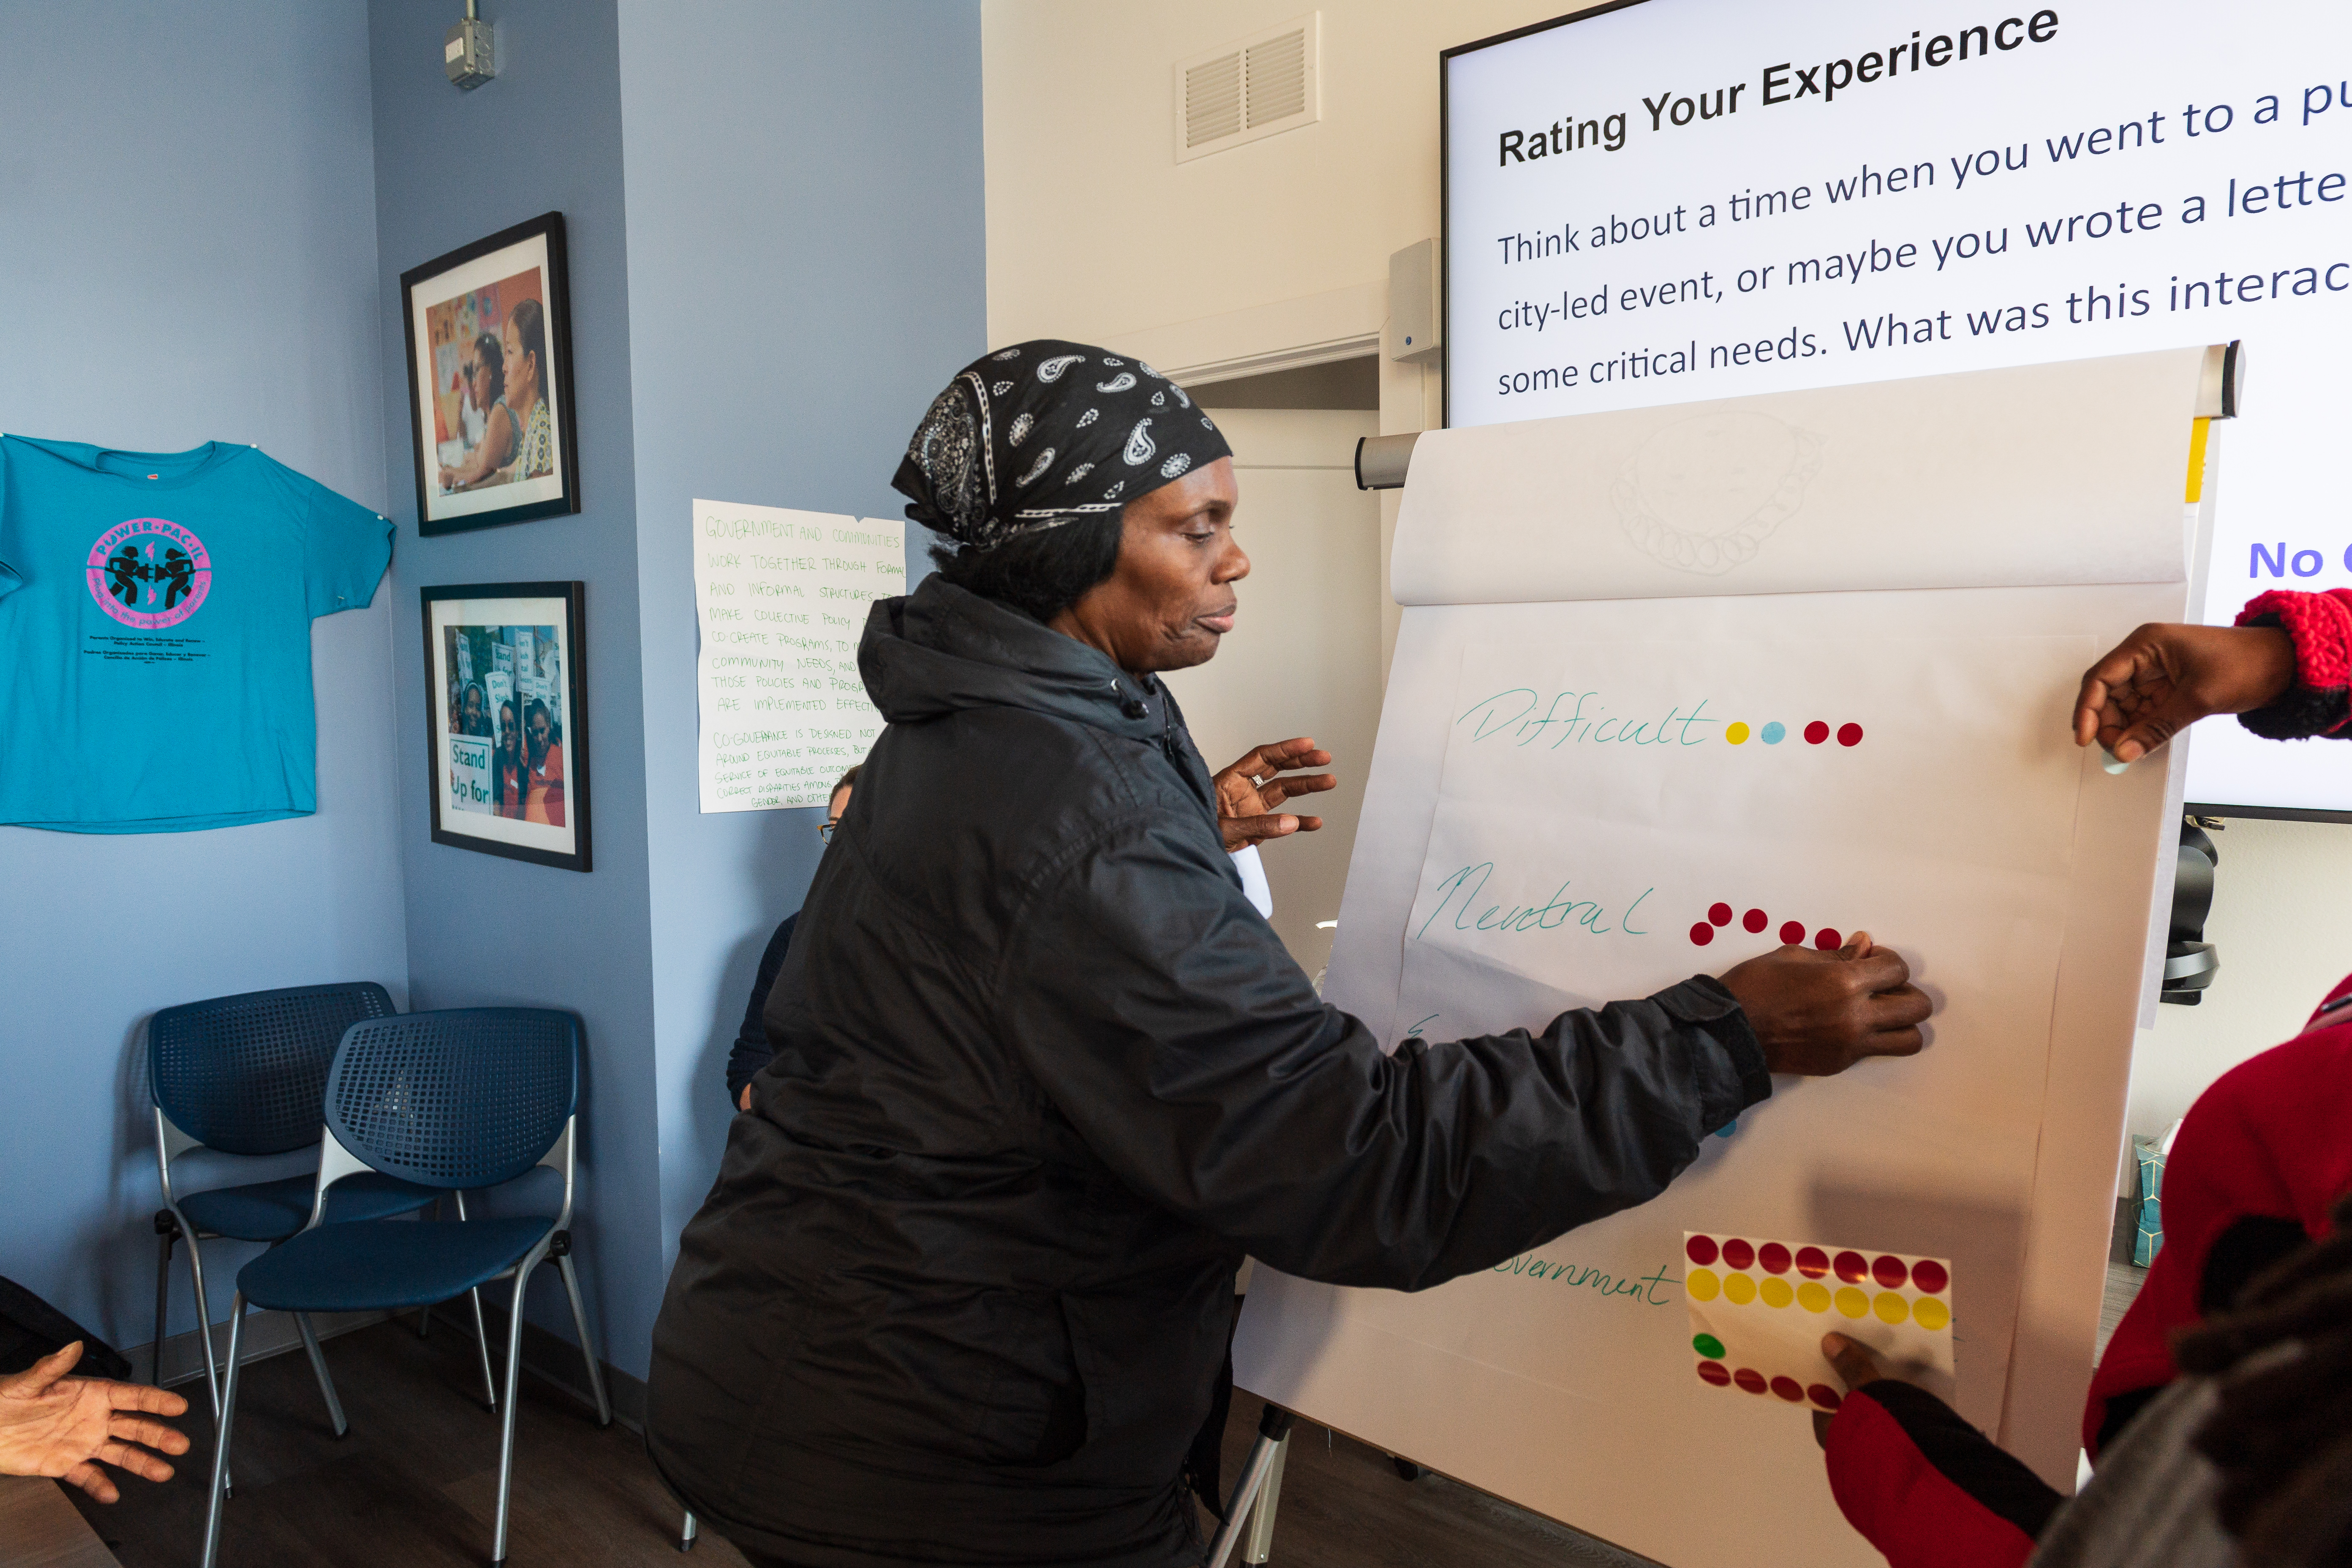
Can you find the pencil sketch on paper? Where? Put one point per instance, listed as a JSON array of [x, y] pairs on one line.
[[1704, 493]]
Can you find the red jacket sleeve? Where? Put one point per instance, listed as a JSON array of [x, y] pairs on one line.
[[2272, 1140], [1926, 1487], [2320, 701]]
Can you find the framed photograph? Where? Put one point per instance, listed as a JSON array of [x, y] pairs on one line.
[[506, 706], [489, 380]]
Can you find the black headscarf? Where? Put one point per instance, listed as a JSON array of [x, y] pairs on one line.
[[1045, 433]]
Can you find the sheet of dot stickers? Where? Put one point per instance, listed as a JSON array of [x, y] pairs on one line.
[[1759, 1310], [1600, 774]]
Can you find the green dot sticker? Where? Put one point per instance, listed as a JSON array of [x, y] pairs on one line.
[[1708, 1346]]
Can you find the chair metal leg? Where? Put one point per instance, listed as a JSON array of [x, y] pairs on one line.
[[587, 1345], [221, 1434], [481, 1335], [686, 1533], [163, 1304], [514, 1373], [204, 1326], [424, 1313], [319, 1369]]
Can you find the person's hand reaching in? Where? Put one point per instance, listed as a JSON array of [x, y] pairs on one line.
[[1249, 791], [65, 1427], [2162, 678], [1820, 1013], [1855, 1365]]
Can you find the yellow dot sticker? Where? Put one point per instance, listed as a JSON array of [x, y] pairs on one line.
[[1739, 1289], [1890, 1307], [1736, 734], [1701, 1284], [1776, 1292], [1931, 1313], [1852, 1302], [1813, 1297]]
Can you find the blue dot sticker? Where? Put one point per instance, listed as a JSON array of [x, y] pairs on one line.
[[1774, 733]]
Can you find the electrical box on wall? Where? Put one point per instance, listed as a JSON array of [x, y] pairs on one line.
[[468, 53], [1416, 313]]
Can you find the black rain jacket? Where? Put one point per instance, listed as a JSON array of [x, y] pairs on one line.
[[962, 1291]]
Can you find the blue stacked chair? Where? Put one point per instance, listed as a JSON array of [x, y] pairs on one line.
[[471, 1097], [246, 1075]]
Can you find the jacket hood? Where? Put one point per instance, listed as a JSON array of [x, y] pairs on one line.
[[941, 649]]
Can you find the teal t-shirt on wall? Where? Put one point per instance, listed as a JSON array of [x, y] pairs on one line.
[[155, 614]]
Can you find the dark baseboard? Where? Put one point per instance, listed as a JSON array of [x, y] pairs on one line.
[[550, 1358], [2121, 1242]]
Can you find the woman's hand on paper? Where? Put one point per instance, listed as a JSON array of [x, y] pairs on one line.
[[1248, 791], [1855, 1365], [1820, 1013], [2162, 678]]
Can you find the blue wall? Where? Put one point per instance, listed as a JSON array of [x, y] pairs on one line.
[[187, 251], [805, 272], [452, 166], [776, 244]]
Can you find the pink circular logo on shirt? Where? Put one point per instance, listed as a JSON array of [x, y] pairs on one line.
[[150, 574]]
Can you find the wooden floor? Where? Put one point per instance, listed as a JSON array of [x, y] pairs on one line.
[[414, 1484]]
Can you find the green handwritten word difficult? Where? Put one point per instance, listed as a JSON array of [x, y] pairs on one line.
[[1585, 720]]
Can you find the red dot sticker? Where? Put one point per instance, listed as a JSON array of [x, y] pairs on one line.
[[1812, 1262], [1822, 1394], [1720, 914], [1790, 1389], [1700, 1249], [1756, 920], [1715, 1372], [1852, 1267], [1793, 934], [1737, 1254], [1702, 933], [1749, 1379], [1930, 1276], [1772, 1257], [1889, 1272], [1816, 732], [1849, 734], [1828, 940]]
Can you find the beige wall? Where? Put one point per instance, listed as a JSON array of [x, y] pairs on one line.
[[1096, 232]]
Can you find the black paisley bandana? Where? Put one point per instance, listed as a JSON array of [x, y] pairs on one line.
[[1045, 433]]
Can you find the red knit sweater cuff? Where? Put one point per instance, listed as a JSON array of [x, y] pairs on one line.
[[2320, 625]]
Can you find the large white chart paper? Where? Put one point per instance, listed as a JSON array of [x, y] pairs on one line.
[[1604, 765], [781, 597]]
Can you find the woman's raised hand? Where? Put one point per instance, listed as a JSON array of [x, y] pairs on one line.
[[1248, 791], [2162, 678]]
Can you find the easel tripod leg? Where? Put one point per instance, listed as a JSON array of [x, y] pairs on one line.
[[1265, 1456], [1259, 1546]]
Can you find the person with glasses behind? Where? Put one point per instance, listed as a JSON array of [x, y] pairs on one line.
[[752, 1049]]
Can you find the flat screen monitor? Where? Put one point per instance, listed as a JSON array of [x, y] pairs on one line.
[[1666, 201]]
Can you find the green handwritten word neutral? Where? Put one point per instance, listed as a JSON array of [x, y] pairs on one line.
[[1471, 881], [1527, 1266], [1587, 719]]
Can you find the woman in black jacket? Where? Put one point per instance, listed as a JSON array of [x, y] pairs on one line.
[[962, 1289]]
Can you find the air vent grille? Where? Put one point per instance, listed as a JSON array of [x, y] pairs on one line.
[[1277, 79], [1254, 87], [1213, 99]]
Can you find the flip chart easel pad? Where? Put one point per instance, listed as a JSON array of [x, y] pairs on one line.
[[2020, 178], [2026, 476], [1410, 1374]]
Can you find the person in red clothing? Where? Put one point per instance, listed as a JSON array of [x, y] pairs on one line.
[[2260, 1160]]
